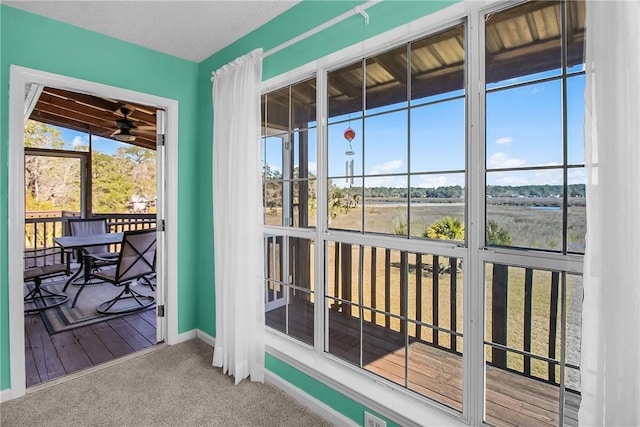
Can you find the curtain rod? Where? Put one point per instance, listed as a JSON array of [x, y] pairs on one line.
[[360, 9]]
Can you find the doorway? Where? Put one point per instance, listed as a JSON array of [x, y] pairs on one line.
[[22, 79]]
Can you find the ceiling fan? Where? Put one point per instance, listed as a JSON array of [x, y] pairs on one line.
[[127, 128]]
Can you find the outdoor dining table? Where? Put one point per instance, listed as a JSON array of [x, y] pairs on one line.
[[81, 243]]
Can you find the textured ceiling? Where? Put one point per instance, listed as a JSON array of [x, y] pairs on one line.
[[192, 30]]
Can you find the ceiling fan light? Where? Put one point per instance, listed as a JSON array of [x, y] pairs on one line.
[[125, 137]]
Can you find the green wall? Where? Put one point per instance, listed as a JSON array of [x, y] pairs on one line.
[[306, 15], [40, 43], [35, 42]]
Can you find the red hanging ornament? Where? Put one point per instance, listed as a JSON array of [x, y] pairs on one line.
[[349, 134]]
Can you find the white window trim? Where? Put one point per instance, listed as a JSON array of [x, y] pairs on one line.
[[362, 386]]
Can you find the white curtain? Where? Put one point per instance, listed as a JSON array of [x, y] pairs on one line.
[[610, 356], [237, 219]]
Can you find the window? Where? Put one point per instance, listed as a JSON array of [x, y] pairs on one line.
[[379, 232], [290, 202], [396, 138], [535, 184]]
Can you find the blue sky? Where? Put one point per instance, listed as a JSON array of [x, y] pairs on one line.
[[74, 139], [523, 129]]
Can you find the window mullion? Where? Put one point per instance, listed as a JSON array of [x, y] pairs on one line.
[[321, 323], [473, 286]]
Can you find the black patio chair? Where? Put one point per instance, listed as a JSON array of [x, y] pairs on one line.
[[136, 260], [42, 264], [97, 257]]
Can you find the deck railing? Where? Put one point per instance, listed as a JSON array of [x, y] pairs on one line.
[[42, 227], [421, 295]]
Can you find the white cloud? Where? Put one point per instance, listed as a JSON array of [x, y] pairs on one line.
[[434, 181], [79, 141], [504, 140], [384, 168], [501, 160], [313, 167], [531, 177], [387, 181]]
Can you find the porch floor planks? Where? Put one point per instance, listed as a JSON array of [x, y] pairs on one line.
[[38, 345], [49, 357], [512, 399]]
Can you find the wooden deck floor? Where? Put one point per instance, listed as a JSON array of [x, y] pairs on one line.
[[511, 399], [51, 356]]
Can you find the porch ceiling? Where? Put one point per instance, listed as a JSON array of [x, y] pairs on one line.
[[91, 114], [522, 41]]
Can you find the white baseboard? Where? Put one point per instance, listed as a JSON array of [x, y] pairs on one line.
[[185, 336], [206, 338], [5, 395], [322, 409]]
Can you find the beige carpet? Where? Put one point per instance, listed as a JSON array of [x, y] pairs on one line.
[[173, 386]]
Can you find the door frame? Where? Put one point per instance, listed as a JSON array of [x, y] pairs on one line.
[[167, 241]]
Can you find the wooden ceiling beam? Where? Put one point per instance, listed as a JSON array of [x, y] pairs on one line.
[[389, 61]]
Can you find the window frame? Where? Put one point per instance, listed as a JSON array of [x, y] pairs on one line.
[[340, 375]]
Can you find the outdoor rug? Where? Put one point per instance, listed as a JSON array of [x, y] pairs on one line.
[[64, 318]]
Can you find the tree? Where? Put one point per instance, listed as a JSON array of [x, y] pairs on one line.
[[497, 235], [447, 228], [51, 183]]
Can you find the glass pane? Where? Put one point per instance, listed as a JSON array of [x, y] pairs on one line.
[[385, 205], [277, 111], [574, 329], [52, 184], [575, 120], [383, 350], [386, 76], [435, 373], [303, 104], [276, 309], [523, 309], [344, 205], [304, 203], [528, 216], [301, 264], [273, 264], [386, 143], [343, 267], [524, 126], [383, 286], [437, 66], [575, 35], [272, 202], [438, 137], [345, 155], [522, 314], [305, 154], [273, 156], [374, 264], [345, 92], [343, 331], [300, 315], [576, 210], [523, 43], [434, 197], [512, 399]]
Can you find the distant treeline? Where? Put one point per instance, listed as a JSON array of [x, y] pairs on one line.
[[456, 191]]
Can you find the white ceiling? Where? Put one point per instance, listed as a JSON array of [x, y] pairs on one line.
[[192, 30]]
